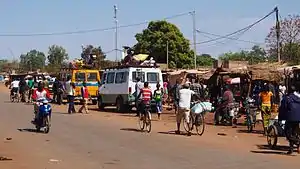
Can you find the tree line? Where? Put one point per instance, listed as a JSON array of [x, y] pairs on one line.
[[154, 40]]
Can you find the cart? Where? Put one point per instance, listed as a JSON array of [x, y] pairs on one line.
[[275, 130]]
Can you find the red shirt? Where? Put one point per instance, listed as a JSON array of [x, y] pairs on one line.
[[146, 94], [85, 92], [40, 94]]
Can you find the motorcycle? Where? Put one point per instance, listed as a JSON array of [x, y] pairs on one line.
[[226, 115], [43, 115], [15, 97]]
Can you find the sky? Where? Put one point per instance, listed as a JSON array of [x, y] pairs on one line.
[[214, 16]]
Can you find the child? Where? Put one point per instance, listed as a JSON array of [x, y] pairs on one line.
[[85, 96], [158, 93]]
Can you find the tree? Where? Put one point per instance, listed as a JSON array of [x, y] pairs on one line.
[[154, 39], [256, 55], [205, 60], [56, 56], [289, 36], [97, 51], [32, 60], [253, 56]]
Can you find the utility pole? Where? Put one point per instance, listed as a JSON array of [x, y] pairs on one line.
[[278, 34], [167, 54], [116, 33], [194, 38]]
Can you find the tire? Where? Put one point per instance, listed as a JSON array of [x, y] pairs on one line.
[[250, 123], [217, 118], [141, 122], [200, 124], [120, 107], [185, 124], [47, 125], [272, 136], [147, 122], [100, 103], [94, 102]]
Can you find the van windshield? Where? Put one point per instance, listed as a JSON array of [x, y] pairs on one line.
[[92, 76], [152, 77], [79, 77], [141, 75]]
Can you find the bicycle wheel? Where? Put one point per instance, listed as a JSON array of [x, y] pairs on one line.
[[148, 122], [200, 124], [272, 136], [186, 125], [250, 123], [141, 121]]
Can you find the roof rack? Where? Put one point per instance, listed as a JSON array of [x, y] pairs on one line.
[[130, 66]]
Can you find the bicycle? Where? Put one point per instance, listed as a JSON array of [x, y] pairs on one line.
[[145, 120], [197, 121]]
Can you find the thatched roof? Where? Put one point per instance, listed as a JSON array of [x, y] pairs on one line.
[[266, 71]]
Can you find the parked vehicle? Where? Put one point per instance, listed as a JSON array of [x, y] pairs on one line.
[[90, 76], [118, 85]]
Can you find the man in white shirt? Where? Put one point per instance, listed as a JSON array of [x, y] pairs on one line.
[[14, 86], [185, 95], [70, 91], [282, 92], [138, 87]]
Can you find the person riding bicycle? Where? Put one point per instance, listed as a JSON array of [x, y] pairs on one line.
[[138, 88], [39, 94], [265, 105], [14, 86], [146, 95], [289, 111]]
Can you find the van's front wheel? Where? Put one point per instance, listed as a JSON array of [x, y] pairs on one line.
[[94, 102]]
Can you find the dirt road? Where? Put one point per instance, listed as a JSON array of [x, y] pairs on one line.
[[107, 140]]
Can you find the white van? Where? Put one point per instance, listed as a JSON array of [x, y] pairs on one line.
[[118, 85]]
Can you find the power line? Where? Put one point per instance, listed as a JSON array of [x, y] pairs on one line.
[[243, 30], [90, 30], [207, 33]]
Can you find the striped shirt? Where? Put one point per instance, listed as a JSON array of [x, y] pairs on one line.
[[146, 95]]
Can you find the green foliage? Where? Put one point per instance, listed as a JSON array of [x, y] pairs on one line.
[[154, 40], [3, 63], [254, 56], [32, 60], [56, 56], [100, 55], [205, 60]]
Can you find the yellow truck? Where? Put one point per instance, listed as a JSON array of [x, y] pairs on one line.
[[78, 76]]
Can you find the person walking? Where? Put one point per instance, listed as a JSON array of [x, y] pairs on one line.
[[85, 98], [289, 111], [30, 84], [184, 104], [266, 101], [158, 95], [70, 90]]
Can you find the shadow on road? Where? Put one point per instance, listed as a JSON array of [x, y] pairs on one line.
[[265, 149], [131, 129], [253, 132], [173, 133], [29, 130]]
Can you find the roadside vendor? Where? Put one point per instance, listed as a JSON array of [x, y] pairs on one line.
[[265, 103]]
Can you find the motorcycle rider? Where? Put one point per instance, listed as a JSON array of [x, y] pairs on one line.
[[289, 111], [39, 94], [14, 86], [227, 103]]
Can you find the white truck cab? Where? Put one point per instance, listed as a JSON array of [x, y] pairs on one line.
[[118, 85]]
